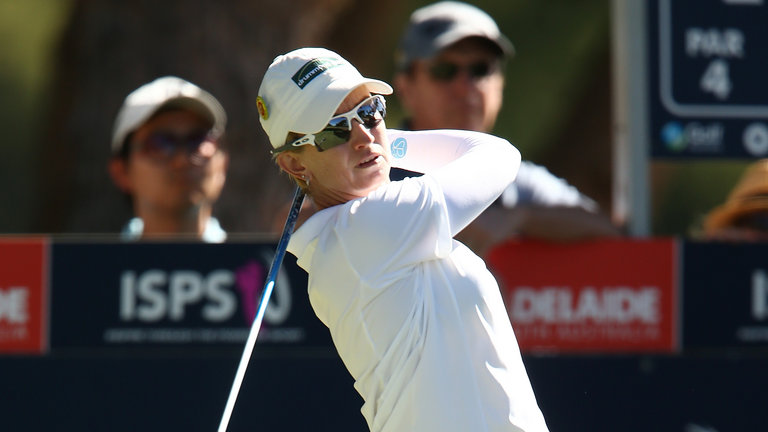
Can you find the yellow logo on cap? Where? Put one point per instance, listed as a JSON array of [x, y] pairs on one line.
[[262, 107]]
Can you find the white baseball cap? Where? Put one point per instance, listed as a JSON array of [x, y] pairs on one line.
[[434, 27], [169, 91], [302, 90]]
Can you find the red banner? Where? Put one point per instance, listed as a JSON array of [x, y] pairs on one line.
[[23, 295], [603, 296]]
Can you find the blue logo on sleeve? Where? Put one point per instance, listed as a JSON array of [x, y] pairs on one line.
[[399, 148]]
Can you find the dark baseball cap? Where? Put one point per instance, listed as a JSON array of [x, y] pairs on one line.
[[434, 27]]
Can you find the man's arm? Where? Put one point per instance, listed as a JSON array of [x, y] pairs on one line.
[[555, 223]]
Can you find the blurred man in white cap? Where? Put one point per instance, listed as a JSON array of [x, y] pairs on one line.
[[167, 156], [450, 63]]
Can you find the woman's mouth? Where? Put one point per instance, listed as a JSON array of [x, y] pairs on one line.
[[369, 161]]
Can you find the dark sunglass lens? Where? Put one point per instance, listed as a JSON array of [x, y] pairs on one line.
[[331, 137], [368, 113], [159, 145], [339, 122], [479, 69], [163, 145], [381, 107], [443, 71], [193, 141]]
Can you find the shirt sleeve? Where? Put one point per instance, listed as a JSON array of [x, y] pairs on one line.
[[471, 168]]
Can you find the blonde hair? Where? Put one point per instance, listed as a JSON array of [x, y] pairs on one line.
[[303, 184]]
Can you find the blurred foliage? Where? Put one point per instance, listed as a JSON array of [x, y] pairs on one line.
[[28, 31], [555, 42], [28, 38]]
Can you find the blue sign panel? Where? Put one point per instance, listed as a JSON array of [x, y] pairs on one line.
[[708, 62], [725, 295], [157, 294]]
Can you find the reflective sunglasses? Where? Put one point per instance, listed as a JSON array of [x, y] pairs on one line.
[[447, 71], [163, 146], [370, 112]]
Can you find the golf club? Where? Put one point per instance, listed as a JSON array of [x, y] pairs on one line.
[[269, 284]]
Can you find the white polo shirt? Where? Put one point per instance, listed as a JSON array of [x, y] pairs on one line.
[[416, 317]]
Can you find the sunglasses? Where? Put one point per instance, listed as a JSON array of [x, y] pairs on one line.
[[163, 146], [447, 71], [370, 112]]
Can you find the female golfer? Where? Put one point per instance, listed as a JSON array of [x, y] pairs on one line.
[[416, 317]]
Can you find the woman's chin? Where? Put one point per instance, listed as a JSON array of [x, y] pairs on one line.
[[371, 184]]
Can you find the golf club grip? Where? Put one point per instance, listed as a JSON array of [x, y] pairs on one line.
[[282, 245]]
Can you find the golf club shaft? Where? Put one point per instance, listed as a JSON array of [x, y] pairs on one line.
[[290, 222]]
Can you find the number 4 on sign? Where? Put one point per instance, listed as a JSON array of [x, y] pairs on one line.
[[716, 80]]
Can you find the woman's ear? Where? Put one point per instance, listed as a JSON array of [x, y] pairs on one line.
[[290, 163], [118, 170]]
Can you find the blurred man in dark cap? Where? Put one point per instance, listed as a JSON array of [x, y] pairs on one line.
[[450, 63]]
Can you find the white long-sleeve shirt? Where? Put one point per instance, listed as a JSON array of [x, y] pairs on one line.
[[416, 317]]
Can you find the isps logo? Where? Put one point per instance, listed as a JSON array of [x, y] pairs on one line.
[[176, 295]]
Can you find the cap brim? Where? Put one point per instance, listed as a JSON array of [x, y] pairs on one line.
[[209, 109], [449, 38]]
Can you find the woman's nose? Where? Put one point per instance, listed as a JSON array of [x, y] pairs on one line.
[[361, 135]]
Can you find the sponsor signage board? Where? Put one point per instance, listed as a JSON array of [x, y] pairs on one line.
[[603, 296], [707, 62], [725, 290], [173, 294], [23, 295]]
